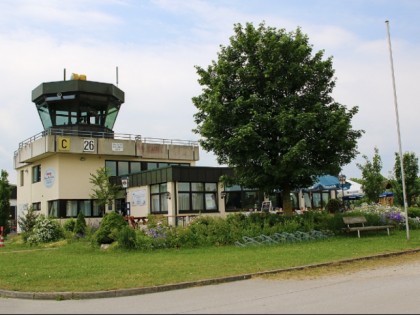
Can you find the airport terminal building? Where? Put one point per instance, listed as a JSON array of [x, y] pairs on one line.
[[157, 176]]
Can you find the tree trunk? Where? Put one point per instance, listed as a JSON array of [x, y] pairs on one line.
[[287, 202]]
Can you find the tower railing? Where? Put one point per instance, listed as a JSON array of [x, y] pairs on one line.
[[108, 135]]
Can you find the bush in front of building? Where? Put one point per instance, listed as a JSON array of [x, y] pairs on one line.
[[69, 224], [45, 230], [80, 225], [107, 232], [333, 206], [413, 212], [127, 238], [217, 231], [27, 222]]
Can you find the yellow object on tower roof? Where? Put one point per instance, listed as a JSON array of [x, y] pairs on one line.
[[75, 76]]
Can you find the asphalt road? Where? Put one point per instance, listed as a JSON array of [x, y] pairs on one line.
[[379, 290]]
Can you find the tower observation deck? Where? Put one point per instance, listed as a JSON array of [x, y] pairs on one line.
[[78, 105]]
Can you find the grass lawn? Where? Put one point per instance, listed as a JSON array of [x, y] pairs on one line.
[[78, 267]]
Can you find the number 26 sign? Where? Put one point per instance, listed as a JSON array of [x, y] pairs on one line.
[[88, 145]]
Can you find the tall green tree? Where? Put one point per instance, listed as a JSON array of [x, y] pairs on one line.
[[411, 171], [103, 190], [5, 194], [373, 181], [266, 110]]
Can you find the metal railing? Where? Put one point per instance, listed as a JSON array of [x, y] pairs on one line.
[[108, 135]]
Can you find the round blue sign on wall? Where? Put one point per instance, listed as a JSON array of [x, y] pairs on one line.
[[49, 177]]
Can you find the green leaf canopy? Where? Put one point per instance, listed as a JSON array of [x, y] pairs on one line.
[[266, 109]]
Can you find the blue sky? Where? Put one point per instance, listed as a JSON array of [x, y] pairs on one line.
[[156, 44]]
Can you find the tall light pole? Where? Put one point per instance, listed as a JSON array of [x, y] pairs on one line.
[[398, 131], [342, 179]]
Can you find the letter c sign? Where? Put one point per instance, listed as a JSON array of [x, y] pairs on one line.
[[63, 143]]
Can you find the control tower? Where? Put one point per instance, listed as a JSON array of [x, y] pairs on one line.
[[54, 167], [78, 105]]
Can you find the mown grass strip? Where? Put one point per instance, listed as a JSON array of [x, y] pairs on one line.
[[77, 267]]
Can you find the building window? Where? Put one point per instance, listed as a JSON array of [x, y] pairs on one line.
[[159, 201], [71, 208], [22, 178], [119, 168], [238, 198], [197, 197], [53, 207], [36, 206], [123, 168], [36, 174], [135, 167], [111, 168]]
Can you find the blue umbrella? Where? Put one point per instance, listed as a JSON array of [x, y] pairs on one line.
[[328, 182]]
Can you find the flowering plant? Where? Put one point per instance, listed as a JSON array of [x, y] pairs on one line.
[[387, 214]]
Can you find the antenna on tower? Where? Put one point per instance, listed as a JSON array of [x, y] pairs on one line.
[[64, 74], [116, 73]]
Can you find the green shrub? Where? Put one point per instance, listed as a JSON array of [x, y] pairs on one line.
[[126, 238], [413, 212], [143, 241], [80, 225], [27, 220], [69, 225], [111, 223], [217, 231], [333, 206], [45, 230]]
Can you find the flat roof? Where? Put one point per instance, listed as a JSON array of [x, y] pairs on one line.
[[73, 86]]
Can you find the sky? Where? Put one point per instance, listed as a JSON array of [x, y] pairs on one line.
[[156, 44]]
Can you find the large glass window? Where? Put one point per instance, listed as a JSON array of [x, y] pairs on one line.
[[85, 207], [307, 199], [152, 166], [158, 197], [184, 202], [123, 168], [197, 201], [238, 198], [71, 208], [111, 167], [135, 167], [119, 168], [197, 197], [53, 209]]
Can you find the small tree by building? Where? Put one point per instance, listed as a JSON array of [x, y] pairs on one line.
[[80, 225], [411, 171], [27, 220], [5, 193], [373, 182], [103, 190]]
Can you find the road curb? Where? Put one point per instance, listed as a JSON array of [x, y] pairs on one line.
[[176, 286]]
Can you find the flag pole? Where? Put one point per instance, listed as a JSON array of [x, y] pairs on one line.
[[398, 131]]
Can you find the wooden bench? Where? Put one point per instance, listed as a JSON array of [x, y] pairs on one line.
[[358, 224]]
